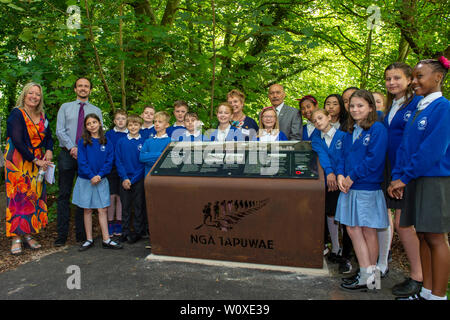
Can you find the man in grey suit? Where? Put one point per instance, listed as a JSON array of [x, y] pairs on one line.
[[290, 119]]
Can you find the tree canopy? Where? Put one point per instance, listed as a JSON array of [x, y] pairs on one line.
[[139, 52]]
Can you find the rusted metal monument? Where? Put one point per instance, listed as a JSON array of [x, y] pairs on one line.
[[246, 202]]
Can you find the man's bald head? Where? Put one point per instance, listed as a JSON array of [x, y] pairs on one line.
[[276, 94]]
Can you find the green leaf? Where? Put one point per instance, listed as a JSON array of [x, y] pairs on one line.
[[15, 7], [26, 35]]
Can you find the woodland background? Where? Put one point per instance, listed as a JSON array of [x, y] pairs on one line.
[[158, 51], [138, 52]]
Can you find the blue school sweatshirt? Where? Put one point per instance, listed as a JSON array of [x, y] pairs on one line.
[[114, 136], [191, 138], [305, 133], [176, 131], [425, 147], [397, 126], [147, 132], [364, 159], [233, 135], [151, 151], [127, 153], [329, 157], [94, 160], [280, 137]]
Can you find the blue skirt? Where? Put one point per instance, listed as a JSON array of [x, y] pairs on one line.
[[88, 196], [362, 208]]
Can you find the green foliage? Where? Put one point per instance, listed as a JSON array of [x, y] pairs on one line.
[[311, 47]]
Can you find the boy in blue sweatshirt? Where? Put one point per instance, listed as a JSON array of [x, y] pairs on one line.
[[131, 173], [115, 209], [148, 129], [180, 108], [154, 146]]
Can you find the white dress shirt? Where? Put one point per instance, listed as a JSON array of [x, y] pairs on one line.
[[425, 102], [328, 136]]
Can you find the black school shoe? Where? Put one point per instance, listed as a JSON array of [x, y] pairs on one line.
[[111, 245], [133, 238], [413, 297], [356, 287], [352, 278], [86, 245], [407, 288]]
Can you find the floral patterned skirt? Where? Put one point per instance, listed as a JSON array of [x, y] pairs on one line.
[[26, 198]]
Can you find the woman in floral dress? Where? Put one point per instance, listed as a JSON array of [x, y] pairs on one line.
[[28, 149]]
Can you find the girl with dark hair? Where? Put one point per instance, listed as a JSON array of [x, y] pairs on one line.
[[401, 104], [422, 166], [91, 191]]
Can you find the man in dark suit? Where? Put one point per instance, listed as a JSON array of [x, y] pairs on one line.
[[290, 119]]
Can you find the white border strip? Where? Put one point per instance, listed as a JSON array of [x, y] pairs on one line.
[[232, 264]]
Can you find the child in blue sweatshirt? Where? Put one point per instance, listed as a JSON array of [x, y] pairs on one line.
[[423, 167], [91, 191], [308, 104], [115, 209], [401, 104], [225, 131], [327, 141], [180, 108], [148, 129], [131, 173], [193, 127], [153, 147], [361, 204]]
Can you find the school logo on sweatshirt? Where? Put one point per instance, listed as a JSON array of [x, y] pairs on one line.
[[139, 146], [103, 148], [339, 144], [366, 140], [422, 124], [406, 116]]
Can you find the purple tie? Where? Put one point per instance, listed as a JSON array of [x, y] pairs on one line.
[[80, 125]]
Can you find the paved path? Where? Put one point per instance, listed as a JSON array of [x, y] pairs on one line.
[[126, 275]]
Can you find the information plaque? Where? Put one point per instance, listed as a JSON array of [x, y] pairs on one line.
[[239, 159], [241, 202]]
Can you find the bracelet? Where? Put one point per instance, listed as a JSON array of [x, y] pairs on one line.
[[35, 160]]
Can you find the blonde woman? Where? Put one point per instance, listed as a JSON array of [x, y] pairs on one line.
[[29, 151]]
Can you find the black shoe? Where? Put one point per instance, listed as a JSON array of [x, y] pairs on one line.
[[111, 245], [123, 238], [133, 238], [407, 288], [345, 266], [86, 245], [351, 278], [354, 286], [333, 258], [60, 242], [413, 297]]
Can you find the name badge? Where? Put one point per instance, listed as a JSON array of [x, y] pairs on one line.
[[245, 131]]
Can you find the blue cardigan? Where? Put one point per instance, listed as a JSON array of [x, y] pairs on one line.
[[151, 151], [127, 153], [329, 157], [364, 159], [95, 159], [16, 129], [397, 126], [305, 133], [233, 135], [425, 147]]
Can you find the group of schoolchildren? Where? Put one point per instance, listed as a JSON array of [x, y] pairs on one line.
[[396, 156]]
